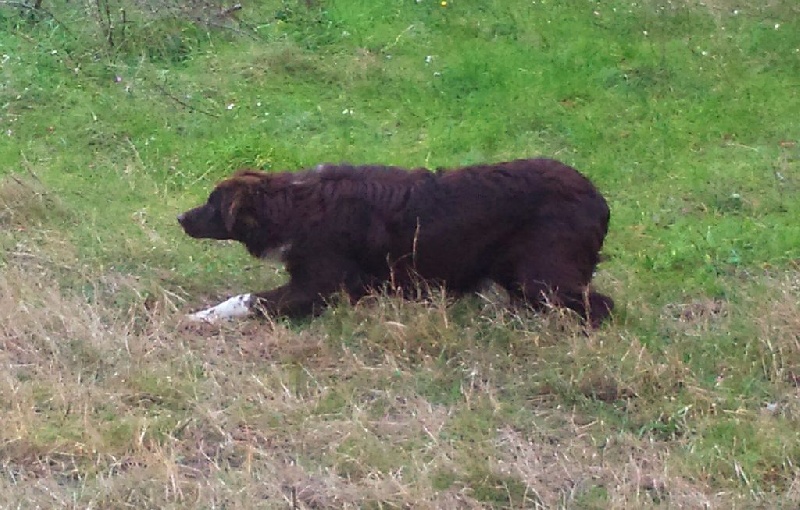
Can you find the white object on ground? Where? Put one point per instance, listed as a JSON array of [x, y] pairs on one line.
[[237, 306]]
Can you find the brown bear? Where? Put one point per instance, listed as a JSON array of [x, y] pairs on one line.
[[533, 226]]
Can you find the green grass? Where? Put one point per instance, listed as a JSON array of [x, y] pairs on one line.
[[684, 114]]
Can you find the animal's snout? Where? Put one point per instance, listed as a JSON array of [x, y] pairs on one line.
[[181, 217]]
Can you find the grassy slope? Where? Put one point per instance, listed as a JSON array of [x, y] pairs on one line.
[[686, 117]]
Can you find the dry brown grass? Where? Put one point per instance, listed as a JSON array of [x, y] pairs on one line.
[[109, 406]]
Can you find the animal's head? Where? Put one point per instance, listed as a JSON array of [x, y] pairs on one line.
[[250, 207]]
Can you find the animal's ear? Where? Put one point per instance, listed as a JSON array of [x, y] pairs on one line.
[[239, 210], [230, 211]]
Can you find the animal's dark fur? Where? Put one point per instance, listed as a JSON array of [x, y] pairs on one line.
[[534, 226]]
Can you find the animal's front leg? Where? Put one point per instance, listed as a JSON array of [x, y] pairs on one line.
[[235, 307], [312, 282], [289, 301]]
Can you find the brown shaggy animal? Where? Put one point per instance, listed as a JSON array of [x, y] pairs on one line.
[[533, 226]]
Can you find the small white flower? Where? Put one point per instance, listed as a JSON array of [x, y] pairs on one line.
[[644, 32], [429, 59], [258, 104], [231, 106], [777, 26]]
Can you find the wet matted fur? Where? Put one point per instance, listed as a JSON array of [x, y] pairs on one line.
[[533, 226]]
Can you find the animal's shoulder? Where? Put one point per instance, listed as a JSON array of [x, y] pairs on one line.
[[367, 173], [372, 182], [385, 190]]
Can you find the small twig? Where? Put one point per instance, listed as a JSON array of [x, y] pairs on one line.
[[230, 10], [29, 168], [110, 26], [397, 39], [135, 151], [163, 90], [124, 23], [22, 5], [414, 245]]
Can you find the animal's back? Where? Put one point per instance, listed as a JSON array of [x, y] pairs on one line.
[[524, 184], [468, 216]]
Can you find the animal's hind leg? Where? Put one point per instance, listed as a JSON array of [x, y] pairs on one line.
[[553, 267], [592, 306]]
